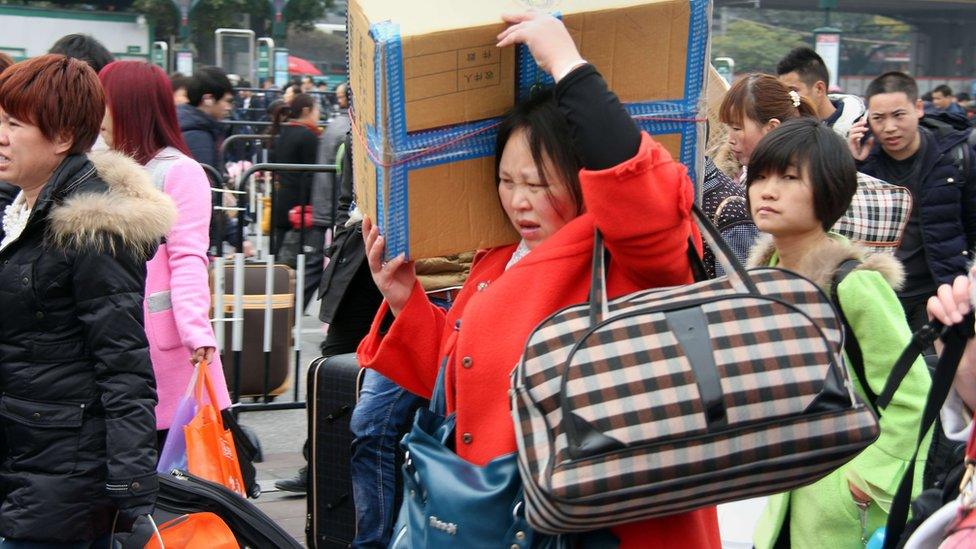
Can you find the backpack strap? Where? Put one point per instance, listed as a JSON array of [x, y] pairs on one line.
[[962, 161], [851, 346], [955, 339]]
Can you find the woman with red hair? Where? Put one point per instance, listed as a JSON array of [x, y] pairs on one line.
[[76, 383], [140, 121]]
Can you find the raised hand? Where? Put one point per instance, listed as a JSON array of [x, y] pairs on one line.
[[396, 278], [547, 39], [949, 306], [859, 151]]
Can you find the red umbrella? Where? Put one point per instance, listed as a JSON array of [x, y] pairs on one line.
[[297, 65]]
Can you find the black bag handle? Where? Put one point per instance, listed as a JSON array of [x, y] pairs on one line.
[[955, 339], [734, 270], [851, 345]]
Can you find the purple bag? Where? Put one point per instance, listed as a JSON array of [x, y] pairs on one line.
[[173, 455]]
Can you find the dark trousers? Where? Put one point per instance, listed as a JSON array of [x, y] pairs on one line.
[[915, 312], [101, 543], [314, 261]]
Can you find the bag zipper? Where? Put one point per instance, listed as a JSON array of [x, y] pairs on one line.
[[204, 488]]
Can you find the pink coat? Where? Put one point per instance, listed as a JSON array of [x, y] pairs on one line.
[[177, 303]]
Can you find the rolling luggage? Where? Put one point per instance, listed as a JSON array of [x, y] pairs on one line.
[[282, 323], [181, 493], [333, 389]]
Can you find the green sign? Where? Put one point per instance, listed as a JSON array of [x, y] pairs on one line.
[[133, 49], [828, 4], [264, 61], [160, 57]]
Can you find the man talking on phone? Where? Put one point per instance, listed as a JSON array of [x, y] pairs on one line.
[[936, 164]]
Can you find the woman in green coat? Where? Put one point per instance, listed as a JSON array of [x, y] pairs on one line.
[[801, 179]]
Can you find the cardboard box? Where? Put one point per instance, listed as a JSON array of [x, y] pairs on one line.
[[429, 86]]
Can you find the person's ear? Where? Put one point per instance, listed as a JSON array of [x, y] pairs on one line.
[[771, 125], [208, 99], [821, 87], [63, 143], [919, 108]]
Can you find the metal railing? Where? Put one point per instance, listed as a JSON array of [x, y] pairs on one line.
[[239, 137], [247, 186]]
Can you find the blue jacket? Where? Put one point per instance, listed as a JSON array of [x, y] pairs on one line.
[[946, 205], [201, 132]]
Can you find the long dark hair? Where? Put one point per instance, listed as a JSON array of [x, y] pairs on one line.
[[548, 135]]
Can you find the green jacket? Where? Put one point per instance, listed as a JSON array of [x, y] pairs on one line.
[[823, 514]]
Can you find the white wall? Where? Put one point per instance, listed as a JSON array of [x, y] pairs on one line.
[[37, 34]]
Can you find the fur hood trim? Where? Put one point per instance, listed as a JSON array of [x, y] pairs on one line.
[[132, 213], [819, 265]]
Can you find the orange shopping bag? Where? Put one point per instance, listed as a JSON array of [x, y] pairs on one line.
[[210, 451], [194, 531]]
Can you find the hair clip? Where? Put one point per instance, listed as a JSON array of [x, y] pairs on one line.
[[795, 97]]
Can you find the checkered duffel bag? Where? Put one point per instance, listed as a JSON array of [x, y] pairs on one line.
[[668, 400], [877, 216]]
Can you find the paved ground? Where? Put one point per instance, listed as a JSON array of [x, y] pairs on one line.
[[282, 434], [286, 509]]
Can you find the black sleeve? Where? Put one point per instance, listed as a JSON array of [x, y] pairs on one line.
[[108, 291], [346, 188], [603, 131]]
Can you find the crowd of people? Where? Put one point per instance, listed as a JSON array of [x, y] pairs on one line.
[[106, 246]]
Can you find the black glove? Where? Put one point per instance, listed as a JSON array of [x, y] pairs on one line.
[[133, 499], [142, 532]]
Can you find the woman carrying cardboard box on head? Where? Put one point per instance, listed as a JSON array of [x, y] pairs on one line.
[[569, 161]]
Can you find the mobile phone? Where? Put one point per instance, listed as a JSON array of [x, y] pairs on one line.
[[867, 133]]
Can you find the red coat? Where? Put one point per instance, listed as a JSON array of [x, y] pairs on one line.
[[643, 209]]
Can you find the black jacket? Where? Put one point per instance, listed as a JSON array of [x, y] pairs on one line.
[[202, 133], [294, 144], [7, 194], [348, 251], [78, 393], [946, 201]]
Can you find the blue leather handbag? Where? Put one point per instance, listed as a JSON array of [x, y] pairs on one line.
[[448, 502]]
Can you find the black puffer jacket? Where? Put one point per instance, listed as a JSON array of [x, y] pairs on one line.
[[78, 429], [946, 201]]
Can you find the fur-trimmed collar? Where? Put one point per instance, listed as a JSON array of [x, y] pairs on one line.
[[819, 264], [130, 213], [725, 161]]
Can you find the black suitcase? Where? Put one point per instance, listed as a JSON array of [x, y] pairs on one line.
[[182, 493], [333, 388]]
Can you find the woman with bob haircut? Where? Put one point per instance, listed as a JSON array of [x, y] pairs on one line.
[[801, 179], [754, 105], [78, 393], [568, 163], [140, 121]]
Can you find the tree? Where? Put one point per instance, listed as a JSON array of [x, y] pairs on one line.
[[755, 47], [863, 35], [209, 15]]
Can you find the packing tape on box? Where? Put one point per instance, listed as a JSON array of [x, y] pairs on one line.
[[405, 151]]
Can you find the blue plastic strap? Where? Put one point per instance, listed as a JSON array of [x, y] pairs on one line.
[[655, 117], [392, 208]]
